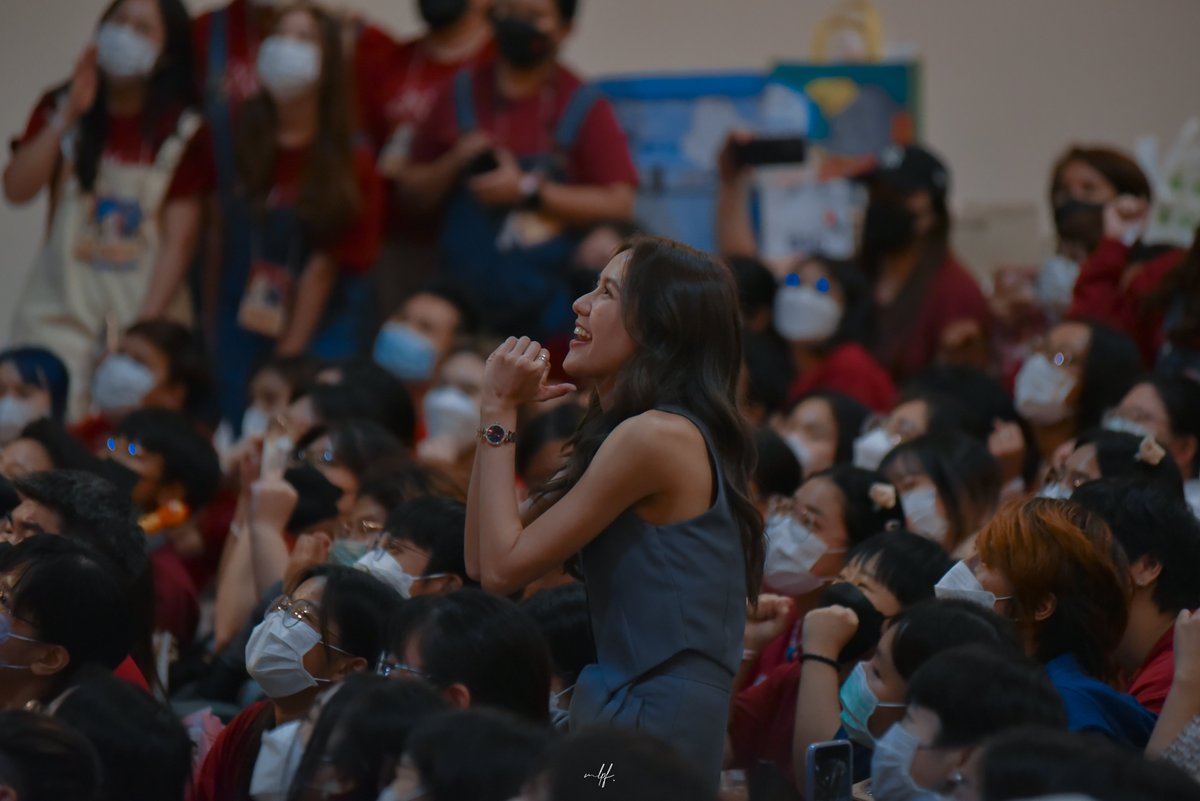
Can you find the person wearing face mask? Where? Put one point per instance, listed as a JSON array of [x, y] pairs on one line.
[[561, 614], [33, 386], [450, 412], [303, 226], [929, 306], [421, 333], [520, 155], [1101, 201], [404, 84], [957, 701], [1055, 570], [1075, 375], [126, 161], [331, 624], [419, 552], [886, 573], [822, 311], [872, 692], [919, 409], [821, 430], [1100, 453]]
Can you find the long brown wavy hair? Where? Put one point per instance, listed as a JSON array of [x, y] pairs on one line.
[[681, 308], [329, 199]]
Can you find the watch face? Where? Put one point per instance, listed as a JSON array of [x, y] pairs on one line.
[[495, 435]]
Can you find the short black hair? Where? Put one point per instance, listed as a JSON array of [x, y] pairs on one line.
[[562, 615], [850, 416], [778, 471], [395, 480], [1118, 455], [862, 516], [65, 452], [365, 391], [357, 445], [931, 627], [1110, 370], [907, 564], [189, 459], [44, 759], [567, 9], [360, 605], [1149, 521], [74, 597], [480, 754], [145, 752], [435, 525], [187, 362], [1181, 398], [977, 692], [769, 371], [484, 642], [561, 422], [448, 290], [756, 284]]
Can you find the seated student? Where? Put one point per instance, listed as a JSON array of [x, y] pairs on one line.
[[420, 550], [821, 430], [777, 473], [33, 386], [476, 649], [561, 613], [44, 759], [949, 487], [872, 695], [956, 701], [917, 413], [145, 752], [41, 446], [1161, 540], [892, 572], [63, 607], [422, 332], [541, 450], [1113, 454], [343, 452], [329, 625], [1055, 568], [354, 390], [477, 754], [450, 415]]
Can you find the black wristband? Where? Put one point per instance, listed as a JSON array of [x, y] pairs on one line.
[[824, 660]]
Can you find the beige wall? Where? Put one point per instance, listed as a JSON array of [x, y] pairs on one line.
[[1007, 82]]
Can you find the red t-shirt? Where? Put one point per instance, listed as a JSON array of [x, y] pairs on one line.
[[358, 247], [1099, 294], [952, 295], [1152, 681], [852, 371], [126, 142], [526, 127], [241, 50], [130, 673], [176, 602], [226, 770], [763, 723]]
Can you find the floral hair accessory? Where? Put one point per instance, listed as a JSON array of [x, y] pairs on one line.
[[883, 496], [1150, 452]]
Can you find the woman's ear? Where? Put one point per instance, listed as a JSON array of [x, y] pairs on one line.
[[1045, 607], [347, 666], [458, 695], [53, 660]]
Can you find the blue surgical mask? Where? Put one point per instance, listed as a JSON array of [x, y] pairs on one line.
[[405, 353], [6, 634], [859, 703], [347, 552]]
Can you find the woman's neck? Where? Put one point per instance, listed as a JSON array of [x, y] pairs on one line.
[[293, 708], [516, 84], [297, 121], [895, 269], [459, 41], [125, 99]]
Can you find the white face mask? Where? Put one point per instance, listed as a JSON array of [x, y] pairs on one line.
[[792, 550], [1123, 425], [891, 767], [871, 448], [450, 412], [803, 314], [1055, 491], [15, 414], [278, 760], [122, 52], [1042, 390], [288, 67], [275, 655], [921, 512], [1056, 283], [800, 450], [960, 583], [383, 566], [558, 715], [255, 422], [121, 382]]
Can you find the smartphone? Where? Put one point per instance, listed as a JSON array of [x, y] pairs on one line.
[[830, 769], [771, 150], [277, 449], [484, 163]]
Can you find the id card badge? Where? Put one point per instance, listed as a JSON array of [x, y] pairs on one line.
[[267, 300], [110, 239]]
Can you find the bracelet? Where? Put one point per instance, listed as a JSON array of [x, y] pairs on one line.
[[824, 660], [749, 655]]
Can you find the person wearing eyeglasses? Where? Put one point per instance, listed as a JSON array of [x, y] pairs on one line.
[[330, 625], [419, 550]]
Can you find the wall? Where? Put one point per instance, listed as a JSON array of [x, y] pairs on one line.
[[1007, 83]]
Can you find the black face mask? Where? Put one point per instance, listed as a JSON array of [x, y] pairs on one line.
[[442, 13], [521, 43], [318, 498], [870, 622], [1080, 221], [888, 227]]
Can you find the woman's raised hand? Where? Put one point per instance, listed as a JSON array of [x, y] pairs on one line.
[[517, 373]]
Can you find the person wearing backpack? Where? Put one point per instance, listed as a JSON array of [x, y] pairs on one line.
[[520, 155]]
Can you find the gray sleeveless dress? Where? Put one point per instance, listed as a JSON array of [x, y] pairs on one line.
[[668, 609]]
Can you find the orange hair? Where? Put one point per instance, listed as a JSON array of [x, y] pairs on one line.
[[1057, 548]]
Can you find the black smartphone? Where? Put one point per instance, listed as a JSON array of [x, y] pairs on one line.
[[830, 769], [771, 150], [485, 162]]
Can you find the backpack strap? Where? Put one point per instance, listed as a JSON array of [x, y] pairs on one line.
[[464, 102], [220, 116], [574, 115]]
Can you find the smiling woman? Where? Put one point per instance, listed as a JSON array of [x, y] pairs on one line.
[[653, 497]]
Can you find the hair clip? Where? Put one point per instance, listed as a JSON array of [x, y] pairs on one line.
[[883, 496], [1150, 452]]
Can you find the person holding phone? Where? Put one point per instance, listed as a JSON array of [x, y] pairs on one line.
[[654, 497]]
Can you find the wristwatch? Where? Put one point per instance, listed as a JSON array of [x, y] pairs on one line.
[[531, 191], [497, 435]]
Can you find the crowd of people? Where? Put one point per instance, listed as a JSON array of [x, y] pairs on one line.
[[357, 443]]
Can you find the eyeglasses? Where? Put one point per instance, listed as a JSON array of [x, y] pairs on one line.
[[360, 530], [389, 666], [314, 457], [1059, 358], [1072, 480], [301, 611]]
